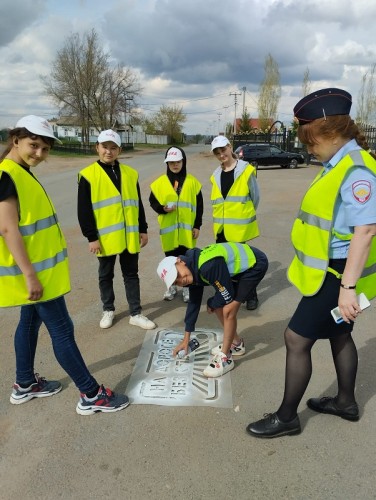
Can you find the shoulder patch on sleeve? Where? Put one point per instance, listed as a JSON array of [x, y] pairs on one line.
[[361, 191]]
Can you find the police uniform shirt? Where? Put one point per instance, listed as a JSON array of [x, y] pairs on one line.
[[356, 205]]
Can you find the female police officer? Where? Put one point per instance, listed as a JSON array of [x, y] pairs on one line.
[[334, 253]]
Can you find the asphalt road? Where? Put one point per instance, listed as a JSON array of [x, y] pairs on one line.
[[156, 452]]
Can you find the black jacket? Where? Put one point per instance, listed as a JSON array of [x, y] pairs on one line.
[[216, 273], [85, 212]]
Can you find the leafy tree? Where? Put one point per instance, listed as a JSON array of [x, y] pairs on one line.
[[270, 93], [367, 98], [83, 83], [244, 125], [229, 129], [4, 134], [169, 121]]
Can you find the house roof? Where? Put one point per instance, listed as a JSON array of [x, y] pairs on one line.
[[71, 121], [253, 123]]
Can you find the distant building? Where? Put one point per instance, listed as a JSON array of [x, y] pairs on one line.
[[254, 123], [69, 128]]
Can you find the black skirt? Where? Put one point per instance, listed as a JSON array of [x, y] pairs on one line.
[[312, 318]]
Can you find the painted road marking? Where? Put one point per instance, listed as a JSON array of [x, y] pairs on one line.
[[160, 379]]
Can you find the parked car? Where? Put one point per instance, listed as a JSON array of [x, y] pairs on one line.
[[268, 154]]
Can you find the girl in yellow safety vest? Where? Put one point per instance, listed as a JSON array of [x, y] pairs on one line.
[[177, 199], [234, 198], [335, 258], [34, 273]]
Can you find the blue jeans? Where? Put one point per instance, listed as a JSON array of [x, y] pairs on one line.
[[55, 316], [129, 270]]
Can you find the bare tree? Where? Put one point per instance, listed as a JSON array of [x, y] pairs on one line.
[[367, 98], [169, 120], [306, 85], [83, 83], [270, 93]]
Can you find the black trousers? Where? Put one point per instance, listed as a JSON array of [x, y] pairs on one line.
[[129, 269]]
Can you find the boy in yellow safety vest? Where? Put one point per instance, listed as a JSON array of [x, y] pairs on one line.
[[112, 217]]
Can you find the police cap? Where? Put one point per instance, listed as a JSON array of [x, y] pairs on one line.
[[322, 103]]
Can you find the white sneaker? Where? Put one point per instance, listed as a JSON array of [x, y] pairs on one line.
[[170, 293], [236, 350], [107, 319], [185, 294], [142, 322], [219, 365]]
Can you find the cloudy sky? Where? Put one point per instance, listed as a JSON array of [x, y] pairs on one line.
[[193, 53]]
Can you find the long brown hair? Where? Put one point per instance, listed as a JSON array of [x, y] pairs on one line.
[[22, 133], [330, 127]]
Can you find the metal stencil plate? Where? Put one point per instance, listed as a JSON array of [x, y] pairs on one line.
[[160, 379]]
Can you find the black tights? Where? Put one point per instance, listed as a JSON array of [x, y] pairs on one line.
[[299, 370]]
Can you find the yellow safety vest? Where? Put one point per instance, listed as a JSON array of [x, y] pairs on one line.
[[43, 239], [238, 256], [176, 226], [116, 214], [313, 229], [236, 214]]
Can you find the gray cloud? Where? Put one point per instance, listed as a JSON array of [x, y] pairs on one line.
[[184, 51], [16, 15]]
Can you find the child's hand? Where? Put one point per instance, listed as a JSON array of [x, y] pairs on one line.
[[143, 239], [183, 345], [195, 233], [34, 287], [94, 247], [169, 209]]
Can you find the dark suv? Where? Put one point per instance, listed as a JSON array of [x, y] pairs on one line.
[[268, 154]]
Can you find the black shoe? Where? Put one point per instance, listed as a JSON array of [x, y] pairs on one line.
[[329, 405], [270, 426], [252, 302]]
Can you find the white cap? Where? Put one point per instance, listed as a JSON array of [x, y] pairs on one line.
[[109, 136], [173, 154], [219, 142], [38, 126], [167, 270]]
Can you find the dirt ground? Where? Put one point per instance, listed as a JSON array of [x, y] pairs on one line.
[[49, 452]]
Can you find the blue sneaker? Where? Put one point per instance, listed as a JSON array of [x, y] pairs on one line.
[[41, 388], [105, 401]]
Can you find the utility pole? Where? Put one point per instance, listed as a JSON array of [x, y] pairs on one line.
[[219, 122], [244, 90], [125, 116], [235, 94]]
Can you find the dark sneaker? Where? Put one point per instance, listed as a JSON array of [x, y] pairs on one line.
[[252, 302], [41, 388], [105, 401], [329, 405], [270, 426]]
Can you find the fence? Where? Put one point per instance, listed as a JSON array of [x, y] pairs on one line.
[[370, 132], [285, 139], [83, 149]]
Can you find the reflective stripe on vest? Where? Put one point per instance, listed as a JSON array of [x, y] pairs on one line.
[[116, 214], [235, 215], [238, 257], [313, 229], [176, 227], [43, 239]]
